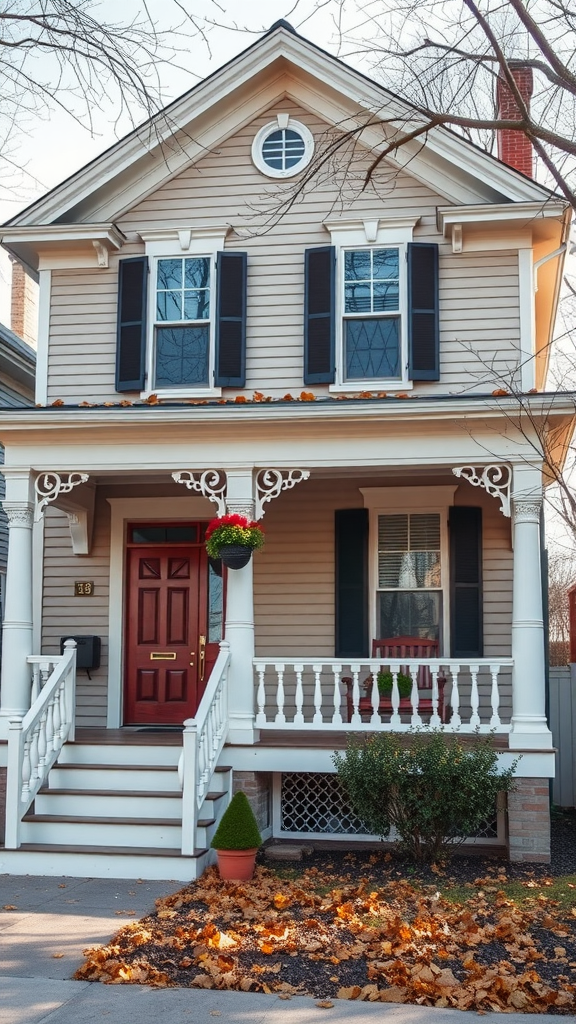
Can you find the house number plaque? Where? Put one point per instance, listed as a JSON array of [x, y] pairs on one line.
[[83, 588]]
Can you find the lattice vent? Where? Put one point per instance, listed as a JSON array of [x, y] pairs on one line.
[[314, 802]]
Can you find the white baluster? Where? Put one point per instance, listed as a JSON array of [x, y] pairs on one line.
[[280, 718], [317, 720], [42, 744], [261, 696], [356, 718], [495, 698], [26, 772], [35, 692], [56, 720], [435, 720], [45, 669], [63, 716], [455, 720], [49, 729], [299, 717], [375, 698], [35, 774], [415, 720], [474, 697], [337, 697], [395, 696]]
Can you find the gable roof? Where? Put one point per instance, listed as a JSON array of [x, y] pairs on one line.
[[280, 61]]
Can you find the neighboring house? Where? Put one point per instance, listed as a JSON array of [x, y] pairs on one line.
[[338, 367], [17, 365]]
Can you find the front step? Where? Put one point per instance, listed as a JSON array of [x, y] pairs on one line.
[[115, 810], [114, 862]]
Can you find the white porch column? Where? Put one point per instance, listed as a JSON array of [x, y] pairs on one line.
[[17, 632], [240, 620], [529, 726]]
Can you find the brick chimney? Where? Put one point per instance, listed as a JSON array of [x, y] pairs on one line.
[[513, 147], [24, 305]]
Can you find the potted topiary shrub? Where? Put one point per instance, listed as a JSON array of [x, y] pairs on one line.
[[385, 684], [236, 840], [233, 538]]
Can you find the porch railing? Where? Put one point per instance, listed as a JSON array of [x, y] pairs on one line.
[[203, 741], [330, 694], [36, 739]]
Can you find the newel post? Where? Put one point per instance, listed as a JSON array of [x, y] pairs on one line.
[[189, 783], [529, 724], [15, 686]]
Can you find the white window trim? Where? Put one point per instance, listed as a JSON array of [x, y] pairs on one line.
[[372, 232], [409, 500], [282, 121], [163, 243]]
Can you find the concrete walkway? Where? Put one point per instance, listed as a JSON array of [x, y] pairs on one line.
[[46, 923]]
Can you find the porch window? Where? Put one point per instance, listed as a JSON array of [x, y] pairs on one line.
[[409, 575], [183, 322]]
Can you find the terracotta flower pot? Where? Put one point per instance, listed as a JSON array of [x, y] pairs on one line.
[[235, 556], [237, 865]]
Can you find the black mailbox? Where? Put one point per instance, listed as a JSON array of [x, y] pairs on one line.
[[87, 650]]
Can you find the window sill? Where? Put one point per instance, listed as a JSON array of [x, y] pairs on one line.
[[390, 386], [182, 393]]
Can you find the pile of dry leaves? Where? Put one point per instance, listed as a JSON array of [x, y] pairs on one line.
[[311, 935]]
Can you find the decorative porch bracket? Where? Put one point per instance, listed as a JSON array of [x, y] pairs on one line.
[[53, 488], [210, 484], [496, 480], [50, 486], [271, 482], [213, 484]]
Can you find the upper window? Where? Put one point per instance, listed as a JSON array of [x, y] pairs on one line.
[[372, 336], [282, 148], [182, 336]]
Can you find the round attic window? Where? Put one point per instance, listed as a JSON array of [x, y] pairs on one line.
[[282, 148]]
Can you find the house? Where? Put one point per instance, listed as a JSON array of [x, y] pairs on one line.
[[214, 338], [17, 364]]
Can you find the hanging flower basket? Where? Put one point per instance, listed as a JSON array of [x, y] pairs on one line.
[[233, 538]]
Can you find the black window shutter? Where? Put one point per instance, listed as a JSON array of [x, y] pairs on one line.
[[319, 315], [423, 318], [231, 320], [131, 324], [466, 615], [351, 543]]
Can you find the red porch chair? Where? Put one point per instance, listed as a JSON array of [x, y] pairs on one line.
[[394, 649]]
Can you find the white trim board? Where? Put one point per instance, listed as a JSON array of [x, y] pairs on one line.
[[124, 510]]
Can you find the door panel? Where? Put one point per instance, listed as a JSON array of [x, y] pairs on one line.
[[164, 619]]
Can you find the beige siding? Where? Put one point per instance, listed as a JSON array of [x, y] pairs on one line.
[[479, 291], [293, 579], [64, 614]]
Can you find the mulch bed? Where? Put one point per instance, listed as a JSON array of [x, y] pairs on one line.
[[481, 934]]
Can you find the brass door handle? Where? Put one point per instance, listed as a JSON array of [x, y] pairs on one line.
[[202, 642]]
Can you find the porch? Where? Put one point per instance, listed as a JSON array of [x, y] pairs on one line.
[[277, 700]]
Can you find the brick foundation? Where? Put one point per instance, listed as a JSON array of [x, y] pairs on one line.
[[2, 804], [529, 822], [258, 788]]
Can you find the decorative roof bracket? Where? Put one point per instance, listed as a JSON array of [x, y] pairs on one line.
[[496, 480]]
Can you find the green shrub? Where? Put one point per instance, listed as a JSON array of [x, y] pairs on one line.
[[238, 829], [434, 790], [385, 684]]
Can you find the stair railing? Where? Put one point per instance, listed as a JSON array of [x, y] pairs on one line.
[[36, 738], [203, 740]]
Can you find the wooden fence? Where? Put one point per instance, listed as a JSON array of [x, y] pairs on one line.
[[563, 726]]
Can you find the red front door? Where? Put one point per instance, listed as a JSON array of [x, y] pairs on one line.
[[169, 652]]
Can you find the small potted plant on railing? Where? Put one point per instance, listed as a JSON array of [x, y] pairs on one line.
[[233, 538], [236, 840], [384, 680]]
